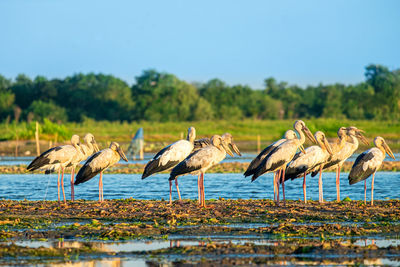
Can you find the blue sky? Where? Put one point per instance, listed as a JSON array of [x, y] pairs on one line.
[[302, 42]]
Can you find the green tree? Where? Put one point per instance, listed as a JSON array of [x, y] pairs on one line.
[[6, 97], [47, 110]]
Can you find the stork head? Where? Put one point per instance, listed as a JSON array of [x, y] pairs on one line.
[[75, 140], [228, 139], [76, 143], [89, 139], [290, 134], [115, 146], [300, 126], [342, 132], [191, 134], [353, 131], [219, 143], [323, 142], [381, 143]]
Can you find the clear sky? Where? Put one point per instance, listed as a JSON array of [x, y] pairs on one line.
[[302, 42]]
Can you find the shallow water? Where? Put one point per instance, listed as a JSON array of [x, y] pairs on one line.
[[226, 185], [246, 157], [112, 252]]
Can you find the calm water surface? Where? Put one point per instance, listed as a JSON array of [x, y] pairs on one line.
[[227, 185], [246, 157]]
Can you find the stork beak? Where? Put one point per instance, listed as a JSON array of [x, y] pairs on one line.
[[310, 135], [388, 150], [235, 149], [328, 146], [226, 147], [361, 136], [96, 147], [301, 147], [121, 153]]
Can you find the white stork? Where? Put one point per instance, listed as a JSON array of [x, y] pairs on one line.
[[57, 158], [344, 150], [98, 163], [281, 155], [368, 163], [200, 161], [169, 157], [289, 135], [314, 157]]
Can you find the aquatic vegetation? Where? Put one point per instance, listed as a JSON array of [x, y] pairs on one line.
[[138, 219]]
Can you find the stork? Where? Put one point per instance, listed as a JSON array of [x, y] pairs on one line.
[[314, 157], [203, 142], [169, 157], [277, 159], [289, 135], [200, 161], [344, 150], [57, 158], [368, 163], [88, 148], [98, 163]]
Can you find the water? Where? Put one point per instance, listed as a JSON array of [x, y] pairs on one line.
[[245, 158], [125, 253], [226, 185]]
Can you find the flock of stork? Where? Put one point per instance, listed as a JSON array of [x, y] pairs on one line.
[[195, 157]]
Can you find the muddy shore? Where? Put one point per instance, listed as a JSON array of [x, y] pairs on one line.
[[230, 167]]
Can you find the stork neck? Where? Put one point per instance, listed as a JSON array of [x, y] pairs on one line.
[[380, 147], [341, 142], [90, 148], [302, 138], [77, 148], [354, 141]]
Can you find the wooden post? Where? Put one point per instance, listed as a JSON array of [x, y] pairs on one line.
[[181, 135], [16, 145], [37, 139], [50, 143], [258, 144]]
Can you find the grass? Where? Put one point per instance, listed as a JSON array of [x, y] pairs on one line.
[[242, 130]]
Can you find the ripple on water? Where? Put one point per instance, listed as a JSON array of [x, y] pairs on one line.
[[228, 185]]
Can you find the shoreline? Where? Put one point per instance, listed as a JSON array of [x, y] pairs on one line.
[[228, 167]]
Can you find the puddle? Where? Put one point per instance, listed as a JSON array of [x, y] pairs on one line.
[[128, 253]]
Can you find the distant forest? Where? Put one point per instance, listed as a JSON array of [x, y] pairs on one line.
[[157, 96]]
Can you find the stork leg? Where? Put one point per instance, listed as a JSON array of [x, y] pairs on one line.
[[338, 183], [365, 192], [201, 190], [198, 189], [304, 188], [62, 185], [274, 186], [372, 189], [72, 184], [177, 188], [321, 193], [277, 179], [283, 185], [102, 195], [170, 192], [203, 204], [101, 198], [58, 185]]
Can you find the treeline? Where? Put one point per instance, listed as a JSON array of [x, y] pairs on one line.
[[159, 96]]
